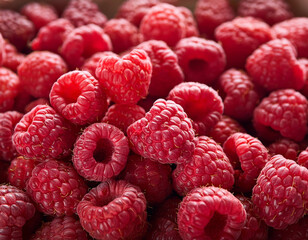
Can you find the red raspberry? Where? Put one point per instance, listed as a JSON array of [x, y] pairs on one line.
[[164, 22], [11, 233], [165, 134], [123, 34], [82, 43], [113, 210], [202, 104], [240, 37], [123, 115], [20, 171], [16, 207], [66, 227], [83, 12], [12, 57], [34, 103], [303, 158], [210, 14], [4, 166], [282, 113], [43, 133], [78, 97], [16, 28], [285, 147], [239, 93], [211, 213], [281, 193], [100, 153], [40, 14], [10, 84], [270, 12], [2, 50], [8, 121], [248, 156], [209, 166], [51, 36], [56, 188], [274, 66], [39, 71], [201, 60], [191, 25], [127, 79], [304, 89], [153, 178]]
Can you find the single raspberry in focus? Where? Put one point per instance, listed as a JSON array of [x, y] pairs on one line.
[[12, 57], [113, 210], [165, 134], [56, 187], [201, 60], [190, 22], [34, 103], [285, 147], [282, 113], [219, 214], [303, 158]]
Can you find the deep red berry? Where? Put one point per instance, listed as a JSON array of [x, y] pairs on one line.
[[303, 158], [11, 233], [285, 147], [12, 57], [2, 50], [304, 89], [190, 23]]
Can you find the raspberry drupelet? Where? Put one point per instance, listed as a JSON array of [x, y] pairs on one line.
[[303, 158], [285, 147]]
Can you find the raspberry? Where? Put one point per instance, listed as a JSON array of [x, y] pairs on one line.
[[34, 103], [12, 57], [40, 14], [113, 210], [11, 233], [240, 37], [239, 93], [39, 71], [8, 121], [43, 133], [191, 25], [123, 115], [248, 156], [304, 89], [56, 188], [20, 171], [123, 34], [100, 153], [201, 60], [166, 72], [303, 158], [66, 227], [201, 103], [2, 50], [83, 12], [78, 97], [280, 195], [208, 166], [16, 28], [284, 147], [210, 14], [164, 22], [224, 128], [153, 178], [271, 12], [10, 84], [211, 213], [51, 36], [127, 79], [282, 113], [165, 134]]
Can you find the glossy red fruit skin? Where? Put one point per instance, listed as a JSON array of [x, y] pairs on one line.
[[303, 158], [285, 147]]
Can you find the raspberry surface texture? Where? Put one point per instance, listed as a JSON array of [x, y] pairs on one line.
[[285, 147], [303, 158], [13, 58], [191, 24], [11, 233]]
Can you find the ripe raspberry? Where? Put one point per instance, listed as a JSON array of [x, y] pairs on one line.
[[113, 210], [165, 134], [2, 50], [34, 103], [164, 22], [84, 12], [210, 14], [282, 113], [8, 121], [304, 89], [100, 153], [127, 79], [16, 28], [281, 193], [12, 57], [271, 12], [191, 24], [285, 147], [39, 71], [10, 84], [11, 233], [51, 36], [40, 14], [201, 60], [303, 158], [209, 166], [211, 213], [202, 104], [56, 188], [78, 97], [153, 178], [43, 133]]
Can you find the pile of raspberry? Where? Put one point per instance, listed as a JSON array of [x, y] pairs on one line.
[[171, 120]]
